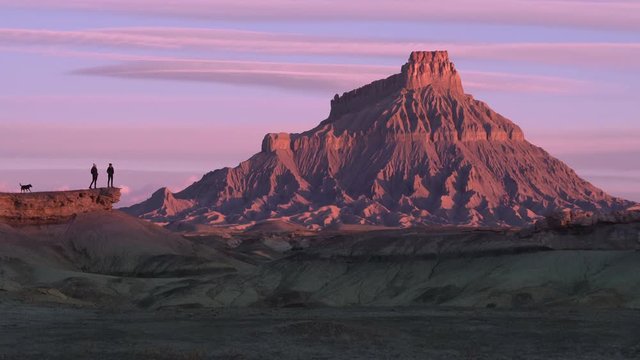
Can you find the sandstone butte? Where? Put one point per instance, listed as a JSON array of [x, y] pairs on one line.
[[41, 208], [408, 150]]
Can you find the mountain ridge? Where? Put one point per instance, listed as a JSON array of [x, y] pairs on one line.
[[407, 150]]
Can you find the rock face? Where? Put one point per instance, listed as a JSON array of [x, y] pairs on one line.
[[568, 218], [406, 150], [161, 204], [41, 208]]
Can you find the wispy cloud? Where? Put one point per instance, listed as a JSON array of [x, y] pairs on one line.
[[508, 82], [320, 77], [590, 142], [211, 40], [615, 14]]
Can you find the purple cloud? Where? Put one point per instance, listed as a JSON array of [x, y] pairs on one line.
[[320, 77], [564, 53], [577, 13]]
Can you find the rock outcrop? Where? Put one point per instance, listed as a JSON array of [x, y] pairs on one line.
[[571, 218], [406, 150], [162, 204], [41, 208]]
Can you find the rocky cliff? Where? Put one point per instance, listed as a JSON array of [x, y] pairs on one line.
[[41, 208], [406, 150]]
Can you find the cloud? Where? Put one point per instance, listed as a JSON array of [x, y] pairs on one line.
[[320, 77], [507, 82], [212, 40], [613, 14], [315, 77], [82, 37], [589, 145], [124, 189]]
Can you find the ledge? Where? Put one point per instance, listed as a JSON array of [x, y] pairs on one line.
[[41, 208]]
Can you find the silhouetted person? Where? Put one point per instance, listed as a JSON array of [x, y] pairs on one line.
[[94, 176], [110, 175]]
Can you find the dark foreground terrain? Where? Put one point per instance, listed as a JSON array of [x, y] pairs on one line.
[[54, 332], [105, 285]]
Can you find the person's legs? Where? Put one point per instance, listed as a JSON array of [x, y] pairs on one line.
[[110, 181]]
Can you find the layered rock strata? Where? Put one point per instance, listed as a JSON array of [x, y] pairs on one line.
[[41, 208], [407, 150]]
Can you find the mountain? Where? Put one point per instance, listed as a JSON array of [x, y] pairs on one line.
[[407, 150]]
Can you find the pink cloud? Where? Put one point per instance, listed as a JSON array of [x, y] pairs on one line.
[[91, 38], [575, 141], [603, 14], [322, 77], [568, 53], [507, 82], [124, 189]]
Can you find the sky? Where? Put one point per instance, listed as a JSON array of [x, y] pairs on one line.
[[169, 90]]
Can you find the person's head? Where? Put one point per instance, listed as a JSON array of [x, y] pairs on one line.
[[94, 164], [110, 164]]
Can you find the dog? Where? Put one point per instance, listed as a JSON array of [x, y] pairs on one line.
[[25, 188]]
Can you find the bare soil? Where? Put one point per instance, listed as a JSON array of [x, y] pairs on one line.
[[30, 331]]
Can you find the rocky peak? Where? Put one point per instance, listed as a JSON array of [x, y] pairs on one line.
[[433, 68], [408, 150], [276, 141], [423, 69]]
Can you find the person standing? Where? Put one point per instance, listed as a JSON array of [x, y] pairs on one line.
[[110, 175], [94, 176]]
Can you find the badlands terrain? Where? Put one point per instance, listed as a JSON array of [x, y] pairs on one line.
[[103, 284], [408, 150]]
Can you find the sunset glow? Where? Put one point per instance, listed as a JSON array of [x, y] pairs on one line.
[[184, 87]]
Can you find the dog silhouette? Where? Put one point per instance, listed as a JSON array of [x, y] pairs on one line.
[[25, 188]]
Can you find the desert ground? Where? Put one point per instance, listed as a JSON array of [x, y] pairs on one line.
[[106, 285], [29, 331]]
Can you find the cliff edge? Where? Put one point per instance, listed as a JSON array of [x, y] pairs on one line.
[[40, 208]]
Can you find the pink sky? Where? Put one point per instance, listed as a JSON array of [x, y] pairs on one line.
[[184, 87], [617, 14]]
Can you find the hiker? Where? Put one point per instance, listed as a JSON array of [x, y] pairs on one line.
[[110, 175], [94, 176]]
